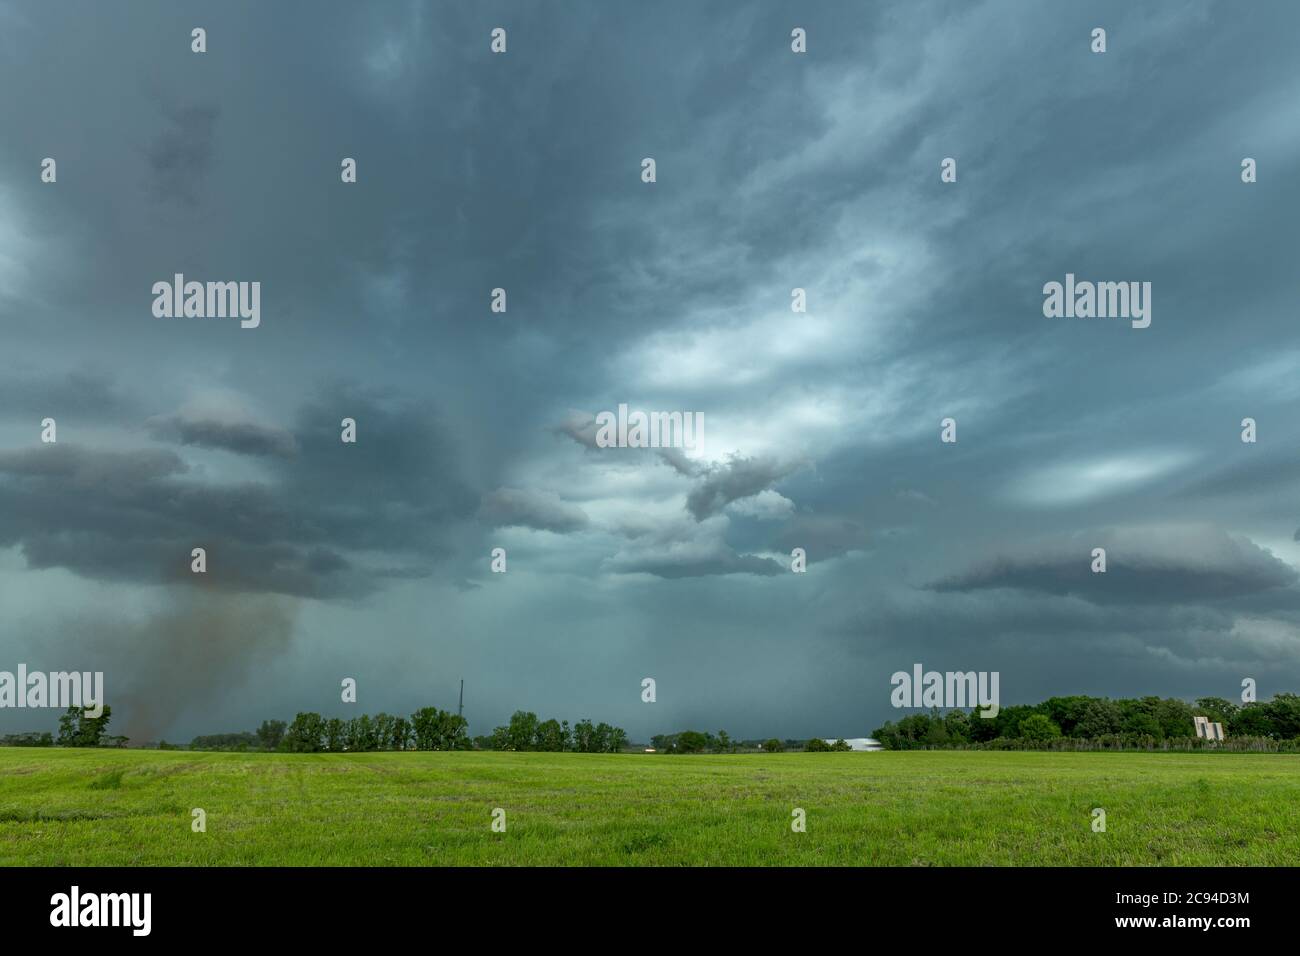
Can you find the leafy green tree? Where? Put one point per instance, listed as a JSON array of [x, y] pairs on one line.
[[773, 746], [69, 727], [549, 736], [691, 742], [1252, 720], [1066, 712], [617, 740], [956, 723], [335, 735], [92, 730], [1139, 719], [1284, 715], [270, 733], [455, 732], [1174, 717], [1100, 718], [399, 737], [383, 730], [306, 734], [523, 730], [584, 735], [1039, 727], [1217, 709]]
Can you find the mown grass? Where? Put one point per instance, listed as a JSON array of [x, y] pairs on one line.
[[122, 807]]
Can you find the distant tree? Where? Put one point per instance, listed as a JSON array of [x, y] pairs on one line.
[[816, 745], [399, 737], [584, 735], [691, 742], [617, 740], [383, 730], [336, 735], [305, 735], [1174, 717], [501, 738], [1138, 718], [436, 729], [92, 730], [1039, 727], [455, 732], [69, 725], [1218, 710], [425, 728], [957, 725], [772, 745], [523, 730], [1252, 720], [1284, 715], [242, 741], [270, 733], [550, 737], [1100, 718], [725, 746], [1065, 712]]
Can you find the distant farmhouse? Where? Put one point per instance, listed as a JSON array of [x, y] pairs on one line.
[[859, 743], [1208, 730]]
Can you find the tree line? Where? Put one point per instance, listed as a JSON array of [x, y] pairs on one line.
[[702, 742], [75, 730], [1143, 722], [526, 732], [427, 729]]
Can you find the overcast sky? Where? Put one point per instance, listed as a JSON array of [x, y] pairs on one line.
[[775, 170]]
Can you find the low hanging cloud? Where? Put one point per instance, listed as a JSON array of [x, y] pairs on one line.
[[332, 520], [181, 155], [1183, 564], [240, 437], [541, 510], [683, 548], [734, 480]]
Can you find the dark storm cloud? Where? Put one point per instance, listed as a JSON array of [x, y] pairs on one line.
[[775, 171], [1156, 565], [137, 514], [114, 473], [735, 479], [181, 155], [582, 429], [544, 511], [823, 537], [687, 564], [79, 395], [244, 438]]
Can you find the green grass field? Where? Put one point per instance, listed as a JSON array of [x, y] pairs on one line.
[[122, 807]]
